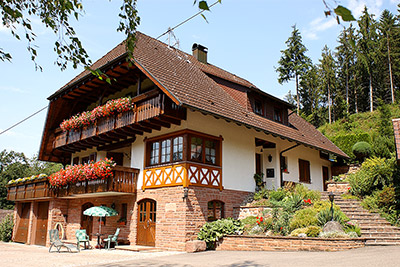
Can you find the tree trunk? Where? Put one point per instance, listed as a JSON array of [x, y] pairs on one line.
[[355, 94], [297, 94], [371, 97], [347, 88], [329, 105], [390, 69]]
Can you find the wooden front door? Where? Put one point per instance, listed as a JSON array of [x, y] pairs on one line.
[[325, 176], [23, 223], [258, 164], [146, 229], [41, 223], [87, 221]]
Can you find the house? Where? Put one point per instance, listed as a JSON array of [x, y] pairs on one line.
[[396, 131], [186, 150]]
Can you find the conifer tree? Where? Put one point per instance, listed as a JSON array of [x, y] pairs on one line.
[[327, 74], [293, 62]]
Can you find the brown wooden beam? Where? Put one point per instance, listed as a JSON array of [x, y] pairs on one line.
[[117, 145], [157, 121], [150, 125], [140, 128]]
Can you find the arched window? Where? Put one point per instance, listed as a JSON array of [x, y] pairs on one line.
[[215, 210]]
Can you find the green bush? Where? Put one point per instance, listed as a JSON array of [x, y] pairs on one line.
[[333, 235], [211, 232], [298, 231], [325, 216], [387, 199], [280, 221], [306, 193], [6, 228], [261, 202], [262, 194], [304, 218], [371, 202], [375, 173], [351, 227], [361, 150], [383, 146], [346, 141], [277, 195], [321, 205], [313, 231]]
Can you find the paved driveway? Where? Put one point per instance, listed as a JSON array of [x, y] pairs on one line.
[[369, 256], [13, 254]]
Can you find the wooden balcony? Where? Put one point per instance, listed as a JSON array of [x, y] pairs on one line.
[[147, 115], [184, 174], [124, 181]]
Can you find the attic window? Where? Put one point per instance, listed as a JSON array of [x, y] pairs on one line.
[[278, 115], [258, 107]]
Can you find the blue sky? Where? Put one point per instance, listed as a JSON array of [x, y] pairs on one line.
[[243, 37]]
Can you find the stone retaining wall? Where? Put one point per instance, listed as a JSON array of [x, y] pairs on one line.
[[338, 187], [246, 211], [268, 243]]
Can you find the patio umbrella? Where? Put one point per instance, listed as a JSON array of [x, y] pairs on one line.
[[100, 211]]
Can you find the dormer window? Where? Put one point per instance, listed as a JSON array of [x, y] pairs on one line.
[[278, 115], [258, 107]]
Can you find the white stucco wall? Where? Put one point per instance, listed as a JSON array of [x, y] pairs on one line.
[[238, 153]]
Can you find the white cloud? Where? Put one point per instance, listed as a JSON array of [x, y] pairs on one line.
[[357, 7], [12, 89], [318, 25]]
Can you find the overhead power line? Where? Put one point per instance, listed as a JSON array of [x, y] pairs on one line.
[[27, 118], [183, 22]]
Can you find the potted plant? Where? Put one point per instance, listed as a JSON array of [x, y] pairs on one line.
[[122, 221]]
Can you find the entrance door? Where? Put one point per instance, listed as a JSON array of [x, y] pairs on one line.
[[258, 163], [325, 176], [41, 223], [87, 221], [22, 226], [146, 229]]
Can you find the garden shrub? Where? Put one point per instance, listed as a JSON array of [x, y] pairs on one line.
[[361, 150], [6, 228], [262, 194], [211, 232], [321, 205], [277, 195], [325, 215], [280, 221], [306, 193], [346, 141], [248, 223], [313, 231], [387, 199], [298, 231], [333, 235], [352, 227], [383, 146], [349, 196], [371, 202], [304, 218], [261, 202]]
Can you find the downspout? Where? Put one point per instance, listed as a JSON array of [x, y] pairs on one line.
[[280, 162]]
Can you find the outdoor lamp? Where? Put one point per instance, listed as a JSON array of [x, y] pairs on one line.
[[185, 193], [269, 157], [331, 196]]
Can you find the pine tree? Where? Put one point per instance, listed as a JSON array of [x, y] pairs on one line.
[[327, 74], [293, 62]]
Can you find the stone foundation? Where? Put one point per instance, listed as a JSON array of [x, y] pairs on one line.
[[262, 243], [338, 187], [246, 211]]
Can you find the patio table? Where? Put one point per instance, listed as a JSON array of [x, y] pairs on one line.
[[99, 245]]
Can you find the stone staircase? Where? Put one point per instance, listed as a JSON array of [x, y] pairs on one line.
[[374, 228]]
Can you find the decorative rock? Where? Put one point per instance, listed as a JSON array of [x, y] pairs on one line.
[[332, 226], [195, 246], [302, 235]]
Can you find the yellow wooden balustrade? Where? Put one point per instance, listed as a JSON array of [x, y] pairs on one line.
[[183, 174]]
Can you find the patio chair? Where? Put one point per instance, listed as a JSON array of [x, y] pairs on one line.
[[112, 239], [82, 237], [57, 243]]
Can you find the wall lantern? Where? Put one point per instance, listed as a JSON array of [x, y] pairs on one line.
[[269, 157], [185, 193]]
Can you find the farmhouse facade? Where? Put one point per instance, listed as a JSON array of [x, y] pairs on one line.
[[185, 151]]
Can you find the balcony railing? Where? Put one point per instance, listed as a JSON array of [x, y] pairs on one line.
[[124, 180], [185, 174], [145, 110]]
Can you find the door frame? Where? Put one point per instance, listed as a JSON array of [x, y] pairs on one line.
[[35, 231], [325, 178], [85, 206]]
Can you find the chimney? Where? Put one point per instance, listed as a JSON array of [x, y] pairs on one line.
[[200, 52]]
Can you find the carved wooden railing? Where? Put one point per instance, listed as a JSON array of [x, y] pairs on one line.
[[123, 181], [185, 174], [142, 111]]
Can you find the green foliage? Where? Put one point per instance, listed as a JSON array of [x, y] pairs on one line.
[[313, 231], [304, 218], [277, 195], [306, 193], [211, 232], [346, 141], [351, 227], [383, 147], [6, 228], [261, 194], [387, 199], [325, 216], [333, 235], [298, 231], [261, 202], [361, 150], [249, 223], [280, 221], [375, 173], [370, 202], [321, 205], [349, 196]]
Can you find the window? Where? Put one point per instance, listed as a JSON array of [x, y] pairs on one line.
[[278, 115], [165, 151], [215, 210], [85, 160], [258, 107], [91, 158], [75, 161], [185, 145], [304, 171]]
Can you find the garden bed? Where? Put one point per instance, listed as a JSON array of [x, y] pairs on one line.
[[287, 243]]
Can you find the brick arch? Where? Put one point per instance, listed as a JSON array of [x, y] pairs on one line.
[[146, 222], [215, 210]]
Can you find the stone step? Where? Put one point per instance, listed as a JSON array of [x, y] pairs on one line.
[[365, 216], [368, 234], [387, 229]]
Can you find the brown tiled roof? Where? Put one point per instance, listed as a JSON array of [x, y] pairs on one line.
[[396, 128], [189, 82]]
